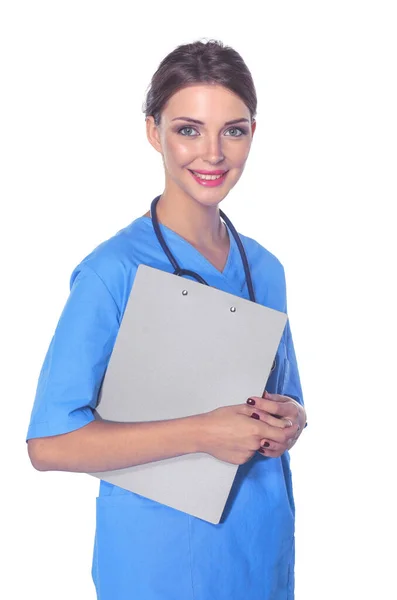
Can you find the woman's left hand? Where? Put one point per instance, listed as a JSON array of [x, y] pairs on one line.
[[285, 408]]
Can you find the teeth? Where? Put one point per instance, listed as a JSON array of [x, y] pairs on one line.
[[208, 177]]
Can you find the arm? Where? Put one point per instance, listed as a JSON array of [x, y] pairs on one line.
[[104, 445], [225, 433], [63, 433]]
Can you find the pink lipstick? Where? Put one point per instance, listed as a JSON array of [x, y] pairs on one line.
[[221, 176]]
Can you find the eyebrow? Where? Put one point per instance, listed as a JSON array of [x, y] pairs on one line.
[[190, 120]]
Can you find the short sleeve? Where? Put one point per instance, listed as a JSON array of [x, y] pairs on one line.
[[77, 358], [291, 383]]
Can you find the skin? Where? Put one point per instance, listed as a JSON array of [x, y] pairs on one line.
[[185, 206], [229, 433]]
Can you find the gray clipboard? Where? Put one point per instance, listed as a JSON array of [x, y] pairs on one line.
[[185, 348]]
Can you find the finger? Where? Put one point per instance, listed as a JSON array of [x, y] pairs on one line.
[[279, 435], [275, 397], [271, 448], [298, 413], [265, 417], [277, 446], [270, 453], [272, 432], [285, 436], [284, 408], [278, 397]]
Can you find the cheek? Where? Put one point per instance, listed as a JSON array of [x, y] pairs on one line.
[[178, 153], [238, 153]]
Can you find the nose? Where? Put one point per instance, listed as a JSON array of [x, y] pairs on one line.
[[213, 151]]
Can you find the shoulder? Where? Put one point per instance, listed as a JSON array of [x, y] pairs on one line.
[[259, 256], [115, 261], [267, 273]]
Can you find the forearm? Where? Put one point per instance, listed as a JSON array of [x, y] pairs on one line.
[[104, 445]]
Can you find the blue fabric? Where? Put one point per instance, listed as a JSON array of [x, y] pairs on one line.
[[144, 550]]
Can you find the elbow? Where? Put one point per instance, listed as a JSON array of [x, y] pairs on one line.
[[38, 454]]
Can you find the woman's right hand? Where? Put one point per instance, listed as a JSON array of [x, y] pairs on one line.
[[232, 434]]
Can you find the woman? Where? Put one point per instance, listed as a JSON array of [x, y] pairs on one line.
[[200, 113]]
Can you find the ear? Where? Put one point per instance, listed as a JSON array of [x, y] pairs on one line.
[[152, 133], [253, 126]]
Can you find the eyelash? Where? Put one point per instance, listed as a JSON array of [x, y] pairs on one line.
[[241, 129]]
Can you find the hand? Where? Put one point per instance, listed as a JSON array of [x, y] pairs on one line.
[[282, 407], [227, 434]]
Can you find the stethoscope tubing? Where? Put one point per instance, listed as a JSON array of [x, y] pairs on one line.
[[180, 272]]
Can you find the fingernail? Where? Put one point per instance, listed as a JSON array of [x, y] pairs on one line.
[[261, 450], [251, 401], [265, 444], [267, 395], [255, 416]]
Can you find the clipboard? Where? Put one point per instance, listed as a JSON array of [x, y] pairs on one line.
[[185, 348]]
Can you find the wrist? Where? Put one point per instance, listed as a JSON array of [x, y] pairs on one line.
[[197, 432]]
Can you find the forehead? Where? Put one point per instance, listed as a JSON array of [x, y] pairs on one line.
[[205, 102]]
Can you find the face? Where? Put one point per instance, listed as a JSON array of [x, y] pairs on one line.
[[204, 138]]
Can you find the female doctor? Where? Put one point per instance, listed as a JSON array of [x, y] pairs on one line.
[[200, 116]]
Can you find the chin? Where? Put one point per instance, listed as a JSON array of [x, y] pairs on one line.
[[208, 197]]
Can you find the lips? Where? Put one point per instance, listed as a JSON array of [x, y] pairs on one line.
[[210, 182], [218, 172]]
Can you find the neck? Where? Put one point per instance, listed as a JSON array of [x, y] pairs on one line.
[[200, 225]]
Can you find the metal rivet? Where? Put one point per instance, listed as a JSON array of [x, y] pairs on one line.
[[232, 309], [184, 293]]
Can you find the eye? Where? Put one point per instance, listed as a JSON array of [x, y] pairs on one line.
[[188, 129], [236, 131]]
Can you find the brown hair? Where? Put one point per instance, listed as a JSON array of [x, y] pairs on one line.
[[199, 62]]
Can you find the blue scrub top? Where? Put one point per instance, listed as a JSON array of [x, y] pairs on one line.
[[143, 549]]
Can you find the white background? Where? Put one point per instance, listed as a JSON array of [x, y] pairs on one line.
[[319, 191]]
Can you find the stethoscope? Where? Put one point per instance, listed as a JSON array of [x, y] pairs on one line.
[[196, 276], [177, 269]]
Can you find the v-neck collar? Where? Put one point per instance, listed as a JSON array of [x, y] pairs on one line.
[[206, 264]]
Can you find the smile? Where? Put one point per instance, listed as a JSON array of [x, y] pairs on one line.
[[207, 179]]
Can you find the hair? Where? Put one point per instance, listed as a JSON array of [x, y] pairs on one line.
[[199, 62]]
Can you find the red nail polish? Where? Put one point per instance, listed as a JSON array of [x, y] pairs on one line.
[[261, 450], [265, 444], [251, 401], [255, 416]]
